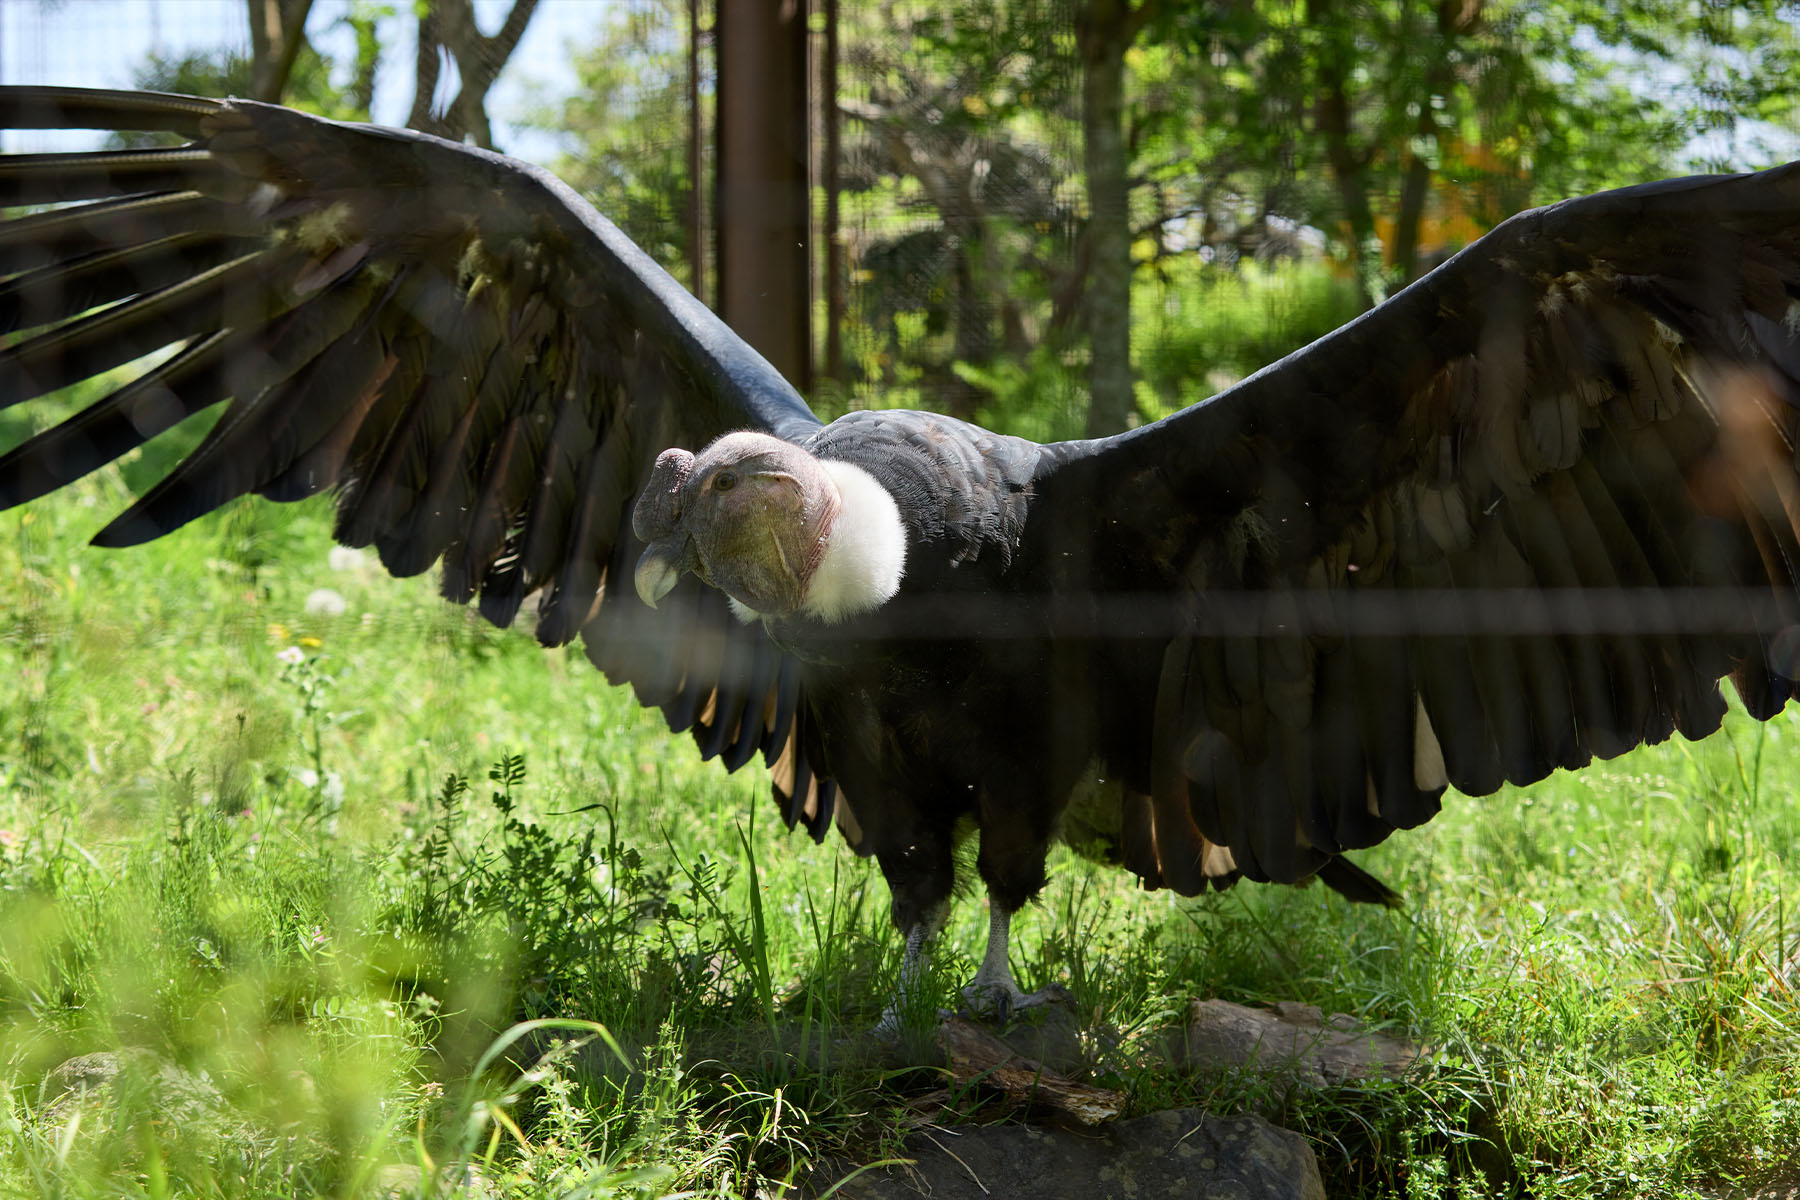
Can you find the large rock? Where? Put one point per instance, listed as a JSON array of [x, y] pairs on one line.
[[406, 1181], [1178, 1154], [1290, 1043], [177, 1095], [1047, 1033]]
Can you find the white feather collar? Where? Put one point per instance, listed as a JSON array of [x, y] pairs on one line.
[[865, 551]]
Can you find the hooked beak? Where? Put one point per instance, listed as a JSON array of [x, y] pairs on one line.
[[661, 566]]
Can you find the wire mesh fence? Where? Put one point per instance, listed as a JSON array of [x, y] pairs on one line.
[[1275, 176]]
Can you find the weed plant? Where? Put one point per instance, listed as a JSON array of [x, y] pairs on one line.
[[354, 895]]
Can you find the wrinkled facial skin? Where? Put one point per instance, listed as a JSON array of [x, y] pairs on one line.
[[748, 514]]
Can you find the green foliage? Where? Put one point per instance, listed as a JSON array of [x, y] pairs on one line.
[[967, 245], [629, 119], [1201, 328], [310, 85]]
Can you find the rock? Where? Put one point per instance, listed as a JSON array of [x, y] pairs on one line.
[[1049, 1033], [1291, 1042], [398, 1181], [404, 1181], [1045, 1035], [1782, 1184], [1180, 1153], [179, 1096], [115, 1097]]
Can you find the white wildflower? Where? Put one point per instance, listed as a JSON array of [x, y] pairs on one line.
[[292, 655], [326, 602]]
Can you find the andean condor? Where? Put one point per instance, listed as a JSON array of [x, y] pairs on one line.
[[1528, 512]]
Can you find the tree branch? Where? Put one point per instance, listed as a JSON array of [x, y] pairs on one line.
[[427, 64], [450, 25]]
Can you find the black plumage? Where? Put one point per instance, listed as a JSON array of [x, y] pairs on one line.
[[1526, 513]]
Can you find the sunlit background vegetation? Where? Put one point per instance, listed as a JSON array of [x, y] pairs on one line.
[[294, 848]]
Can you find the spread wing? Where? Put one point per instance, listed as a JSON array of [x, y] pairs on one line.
[[1527, 513], [481, 366]]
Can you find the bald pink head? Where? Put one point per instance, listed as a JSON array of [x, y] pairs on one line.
[[749, 514]]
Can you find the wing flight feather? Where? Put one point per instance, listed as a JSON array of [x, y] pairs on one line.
[[1528, 512], [479, 365]]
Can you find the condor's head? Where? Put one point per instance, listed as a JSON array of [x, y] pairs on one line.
[[779, 531]]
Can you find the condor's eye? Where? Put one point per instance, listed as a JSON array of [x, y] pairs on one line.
[[724, 481]]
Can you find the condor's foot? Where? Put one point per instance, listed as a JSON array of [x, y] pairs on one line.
[[993, 1000], [993, 994], [1000, 1001]]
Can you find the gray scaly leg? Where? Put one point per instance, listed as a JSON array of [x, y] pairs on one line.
[[993, 990], [912, 967]]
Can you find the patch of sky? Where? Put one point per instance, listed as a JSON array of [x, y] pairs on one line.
[[104, 43]]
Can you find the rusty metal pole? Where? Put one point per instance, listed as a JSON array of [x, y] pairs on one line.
[[761, 211]]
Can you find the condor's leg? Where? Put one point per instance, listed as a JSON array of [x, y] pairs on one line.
[[1015, 841], [920, 872], [912, 969], [993, 991]]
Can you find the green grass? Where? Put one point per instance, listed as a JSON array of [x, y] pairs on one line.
[[331, 888]]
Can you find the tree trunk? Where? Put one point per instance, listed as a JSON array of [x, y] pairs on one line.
[[835, 300], [944, 172], [1454, 18], [1105, 31], [277, 31], [1349, 167], [427, 64], [361, 93], [696, 203], [1413, 192]]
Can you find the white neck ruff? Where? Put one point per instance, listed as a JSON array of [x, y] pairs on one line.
[[865, 551]]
